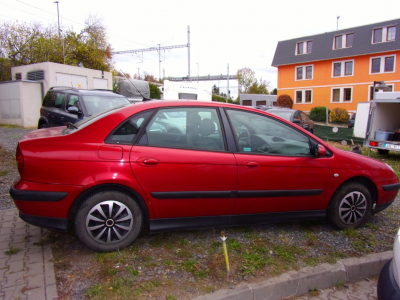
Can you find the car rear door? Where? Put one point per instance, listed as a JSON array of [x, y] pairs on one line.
[[186, 173], [276, 171]]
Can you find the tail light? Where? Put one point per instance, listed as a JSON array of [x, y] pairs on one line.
[[374, 144], [20, 160]]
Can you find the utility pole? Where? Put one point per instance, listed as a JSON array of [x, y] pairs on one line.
[[138, 72], [197, 72], [189, 53], [159, 63], [227, 92], [337, 22], [59, 31]]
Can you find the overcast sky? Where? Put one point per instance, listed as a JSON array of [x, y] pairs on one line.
[[238, 33]]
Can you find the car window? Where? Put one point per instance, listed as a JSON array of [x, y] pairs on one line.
[[260, 134], [126, 133], [190, 128], [58, 99], [284, 114], [47, 99], [73, 101], [98, 103], [303, 117]]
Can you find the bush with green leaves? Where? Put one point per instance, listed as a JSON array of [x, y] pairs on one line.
[[154, 91], [284, 101], [339, 115], [318, 114]]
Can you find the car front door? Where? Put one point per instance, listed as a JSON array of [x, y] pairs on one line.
[[276, 171], [185, 173]]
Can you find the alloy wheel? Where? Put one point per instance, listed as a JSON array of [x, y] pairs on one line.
[[352, 207], [109, 222]]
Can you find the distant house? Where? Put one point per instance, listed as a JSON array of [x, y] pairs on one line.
[[257, 99], [337, 69]]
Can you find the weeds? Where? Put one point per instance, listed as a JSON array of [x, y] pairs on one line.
[[12, 251]]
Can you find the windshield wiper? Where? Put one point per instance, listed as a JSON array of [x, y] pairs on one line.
[[69, 124]]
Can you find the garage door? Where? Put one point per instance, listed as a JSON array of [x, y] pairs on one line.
[[247, 102], [261, 102], [75, 81], [99, 83]]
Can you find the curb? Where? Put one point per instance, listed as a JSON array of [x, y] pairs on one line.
[[297, 283]]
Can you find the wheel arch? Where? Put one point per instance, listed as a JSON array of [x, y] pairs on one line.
[[42, 120], [368, 183], [114, 187]]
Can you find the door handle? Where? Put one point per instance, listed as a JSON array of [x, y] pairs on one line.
[[151, 161], [252, 164]]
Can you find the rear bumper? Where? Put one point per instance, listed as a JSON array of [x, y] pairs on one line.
[[36, 195], [387, 286], [46, 222]]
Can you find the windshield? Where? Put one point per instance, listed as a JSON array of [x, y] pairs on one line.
[[98, 103], [281, 113]]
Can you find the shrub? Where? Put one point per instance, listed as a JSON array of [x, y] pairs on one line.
[[318, 114], [339, 115], [285, 101], [154, 91]]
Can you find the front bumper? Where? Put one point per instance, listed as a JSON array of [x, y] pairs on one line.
[[387, 285]]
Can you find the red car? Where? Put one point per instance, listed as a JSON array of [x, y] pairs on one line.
[[173, 165]]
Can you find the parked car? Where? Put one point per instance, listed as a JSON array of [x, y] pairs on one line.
[[63, 105], [293, 115], [389, 277], [352, 120], [113, 173]]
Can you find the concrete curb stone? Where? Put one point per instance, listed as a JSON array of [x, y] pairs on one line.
[[297, 283]]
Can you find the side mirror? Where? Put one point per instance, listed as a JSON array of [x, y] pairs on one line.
[[296, 121], [320, 151], [73, 110]]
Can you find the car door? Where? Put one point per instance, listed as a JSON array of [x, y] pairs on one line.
[[55, 115], [189, 173], [72, 100], [276, 171], [306, 121]]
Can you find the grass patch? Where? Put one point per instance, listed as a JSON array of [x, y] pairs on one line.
[[12, 251], [4, 173]]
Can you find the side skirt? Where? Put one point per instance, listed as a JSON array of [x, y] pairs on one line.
[[171, 224]]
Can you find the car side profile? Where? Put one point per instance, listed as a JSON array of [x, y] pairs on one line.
[[62, 105], [293, 115], [114, 173]]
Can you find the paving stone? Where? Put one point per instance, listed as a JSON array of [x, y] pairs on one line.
[[6, 225], [36, 281], [14, 292], [35, 268], [3, 262], [22, 231], [16, 266], [51, 291], [14, 279], [10, 218], [33, 293], [33, 249], [18, 256], [6, 230], [5, 238], [34, 257], [21, 225]]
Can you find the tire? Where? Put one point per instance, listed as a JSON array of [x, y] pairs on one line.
[[106, 233], [43, 125], [383, 152], [350, 206]]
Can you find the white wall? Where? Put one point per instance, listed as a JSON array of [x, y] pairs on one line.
[[51, 69], [20, 103]]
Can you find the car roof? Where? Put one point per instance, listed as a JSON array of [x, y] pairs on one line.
[[85, 92], [282, 109]]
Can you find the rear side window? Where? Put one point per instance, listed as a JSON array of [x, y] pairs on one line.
[[127, 132], [47, 99], [58, 100]]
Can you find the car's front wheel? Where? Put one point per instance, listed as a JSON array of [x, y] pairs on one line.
[[350, 206], [108, 221]]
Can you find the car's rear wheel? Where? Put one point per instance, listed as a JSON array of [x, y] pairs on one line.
[[43, 125], [108, 221], [350, 206], [383, 152]]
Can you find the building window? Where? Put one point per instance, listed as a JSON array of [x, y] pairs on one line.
[[303, 96], [383, 64], [348, 68], [378, 35], [391, 33], [304, 72], [344, 94], [343, 68], [299, 73], [384, 34], [389, 64], [337, 69], [304, 47], [338, 42], [299, 97], [309, 73], [349, 40], [18, 76], [371, 89], [300, 48], [309, 46]]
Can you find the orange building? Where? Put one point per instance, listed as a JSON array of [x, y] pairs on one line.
[[337, 69]]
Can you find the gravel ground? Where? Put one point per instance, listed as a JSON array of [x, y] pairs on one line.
[[9, 138]]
